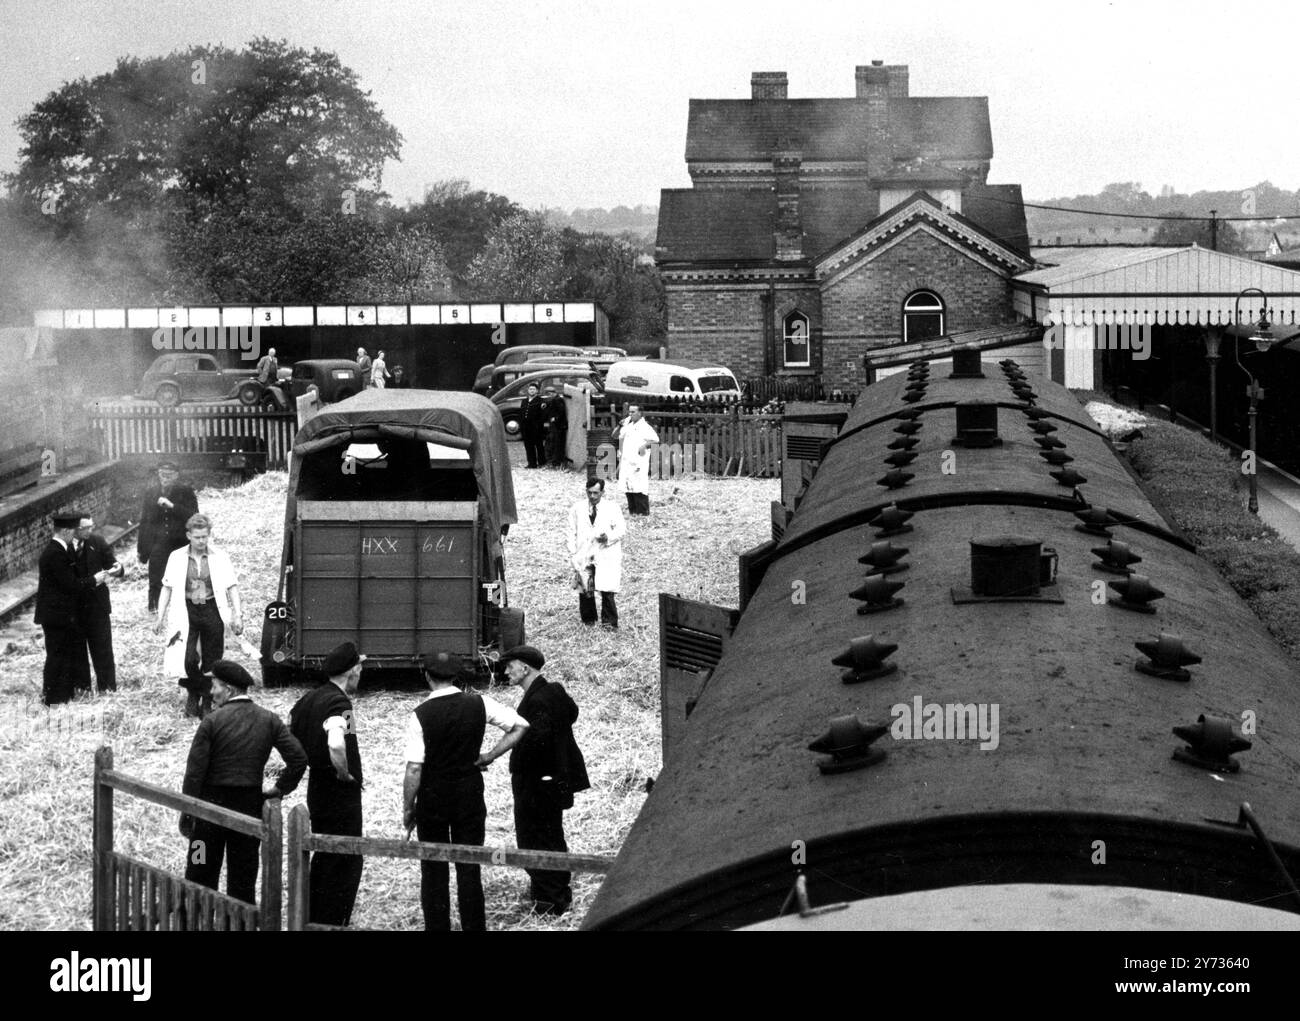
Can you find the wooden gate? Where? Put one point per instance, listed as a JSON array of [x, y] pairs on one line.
[[137, 427], [129, 894]]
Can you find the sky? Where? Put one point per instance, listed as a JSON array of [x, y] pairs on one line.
[[582, 103]]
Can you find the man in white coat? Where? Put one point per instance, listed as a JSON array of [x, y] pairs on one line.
[[595, 538], [199, 598], [634, 435]]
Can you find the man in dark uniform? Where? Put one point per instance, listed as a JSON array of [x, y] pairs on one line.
[[94, 555], [534, 426], [323, 721], [546, 770], [163, 513], [225, 766], [443, 790], [557, 427], [59, 594]]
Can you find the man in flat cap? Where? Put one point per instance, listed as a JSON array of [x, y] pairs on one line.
[[443, 791], [94, 555], [226, 767], [165, 509], [325, 722], [59, 594], [546, 770]]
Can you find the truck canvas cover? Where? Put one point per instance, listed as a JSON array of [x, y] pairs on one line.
[[461, 420]]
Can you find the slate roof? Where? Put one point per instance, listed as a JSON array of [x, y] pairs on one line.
[[837, 129]]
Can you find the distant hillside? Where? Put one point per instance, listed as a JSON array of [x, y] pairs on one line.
[[639, 220]]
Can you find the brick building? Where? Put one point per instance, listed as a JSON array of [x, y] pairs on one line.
[[817, 230]]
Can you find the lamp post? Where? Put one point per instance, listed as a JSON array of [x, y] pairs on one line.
[[1212, 339], [1262, 337]]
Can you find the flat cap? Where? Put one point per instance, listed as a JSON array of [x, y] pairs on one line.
[[67, 519], [232, 673], [340, 659], [525, 654]]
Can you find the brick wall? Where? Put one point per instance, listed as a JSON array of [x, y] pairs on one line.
[[710, 324], [864, 308], [25, 517]]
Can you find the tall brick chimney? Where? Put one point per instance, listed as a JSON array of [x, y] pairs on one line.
[[768, 85], [898, 81], [873, 80], [789, 226]]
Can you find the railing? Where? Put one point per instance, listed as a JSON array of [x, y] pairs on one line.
[[130, 894], [715, 437], [136, 427], [302, 842]]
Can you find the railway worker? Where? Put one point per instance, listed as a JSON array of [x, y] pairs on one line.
[[442, 793], [379, 374], [534, 427], [268, 368], [557, 427], [363, 360], [595, 543], [165, 509], [200, 597], [546, 770], [94, 555], [59, 595], [325, 722], [227, 758], [634, 436]]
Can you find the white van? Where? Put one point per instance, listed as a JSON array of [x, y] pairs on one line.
[[635, 377]]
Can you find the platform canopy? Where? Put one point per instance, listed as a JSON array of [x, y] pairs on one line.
[[1154, 286]]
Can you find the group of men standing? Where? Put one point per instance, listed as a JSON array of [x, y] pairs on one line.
[[545, 428], [442, 789]]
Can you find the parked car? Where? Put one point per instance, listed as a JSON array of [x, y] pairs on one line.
[[511, 371], [396, 505], [538, 352], [335, 379], [628, 379], [195, 376], [509, 400]]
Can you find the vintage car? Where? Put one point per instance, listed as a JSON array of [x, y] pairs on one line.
[[396, 505], [600, 355], [335, 379], [509, 400], [195, 376]]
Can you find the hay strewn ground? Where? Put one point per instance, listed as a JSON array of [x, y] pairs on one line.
[[689, 546]]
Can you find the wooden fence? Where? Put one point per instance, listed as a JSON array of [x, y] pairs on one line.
[[302, 842], [130, 894], [721, 442], [137, 427]]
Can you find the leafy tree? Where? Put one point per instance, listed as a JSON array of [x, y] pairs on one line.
[[461, 219], [1185, 230], [521, 261]]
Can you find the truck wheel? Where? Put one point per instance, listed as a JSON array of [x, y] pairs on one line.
[[277, 623], [168, 395], [512, 628], [249, 393], [514, 428], [273, 399]]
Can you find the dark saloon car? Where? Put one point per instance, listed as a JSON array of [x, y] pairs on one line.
[[510, 398], [194, 376]]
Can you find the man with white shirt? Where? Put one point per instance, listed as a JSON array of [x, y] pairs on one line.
[[595, 541], [635, 436], [442, 793]]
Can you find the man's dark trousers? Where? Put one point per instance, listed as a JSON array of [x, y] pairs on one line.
[[533, 446], [587, 603], [452, 811], [99, 637], [539, 826], [209, 842], [334, 877], [65, 663], [207, 626], [158, 555]]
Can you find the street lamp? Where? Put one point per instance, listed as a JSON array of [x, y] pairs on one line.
[[1262, 337]]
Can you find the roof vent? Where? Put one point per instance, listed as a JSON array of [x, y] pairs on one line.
[[1211, 742], [908, 428], [1115, 557], [1056, 457], [912, 396], [966, 364], [1035, 413], [1166, 658], [1010, 565], [1096, 521], [895, 479], [877, 593], [977, 424], [908, 414], [1050, 442], [890, 521], [865, 659], [903, 443], [1069, 477], [1023, 392], [1009, 363], [1041, 427], [848, 742], [883, 558], [901, 458], [1136, 593]]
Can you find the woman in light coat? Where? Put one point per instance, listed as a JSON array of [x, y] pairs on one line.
[[595, 541]]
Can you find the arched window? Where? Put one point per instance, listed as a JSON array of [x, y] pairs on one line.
[[796, 346], [922, 316]]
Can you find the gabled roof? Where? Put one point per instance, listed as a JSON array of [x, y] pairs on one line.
[[837, 129]]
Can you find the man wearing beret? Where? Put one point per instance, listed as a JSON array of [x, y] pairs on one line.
[[442, 793], [59, 594], [227, 758], [325, 722], [546, 770]]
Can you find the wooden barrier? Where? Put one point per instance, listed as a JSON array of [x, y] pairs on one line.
[[302, 842], [732, 443], [136, 427], [130, 894]]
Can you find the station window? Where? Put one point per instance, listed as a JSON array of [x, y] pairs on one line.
[[796, 349], [922, 316]]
